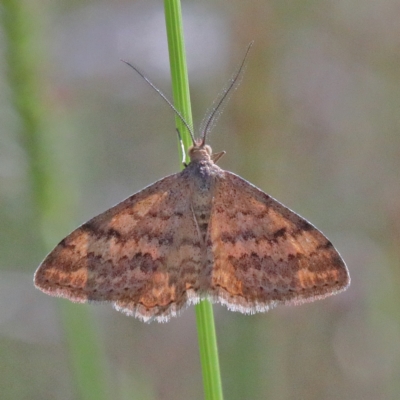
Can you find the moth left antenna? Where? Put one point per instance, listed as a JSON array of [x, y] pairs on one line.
[[165, 98]]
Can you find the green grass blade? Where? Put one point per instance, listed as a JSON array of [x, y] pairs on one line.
[[85, 352], [179, 75], [180, 85], [208, 351]]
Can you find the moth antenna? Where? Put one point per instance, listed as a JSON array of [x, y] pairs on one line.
[[219, 101], [189, 128]]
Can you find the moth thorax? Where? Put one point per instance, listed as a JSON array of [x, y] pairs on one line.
[[200, 153]]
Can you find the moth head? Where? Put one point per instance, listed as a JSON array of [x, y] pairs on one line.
[[203, 152], [200, 152]]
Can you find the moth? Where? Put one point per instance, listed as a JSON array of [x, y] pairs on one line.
[[202, 233]]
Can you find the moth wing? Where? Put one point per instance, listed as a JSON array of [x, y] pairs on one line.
[[265, 254], [131, 255]]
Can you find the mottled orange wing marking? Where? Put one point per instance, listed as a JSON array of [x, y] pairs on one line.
[[265, 254], [203, 232], [132, 255]]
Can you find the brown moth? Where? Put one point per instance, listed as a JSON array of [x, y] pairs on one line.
[[203, 233]]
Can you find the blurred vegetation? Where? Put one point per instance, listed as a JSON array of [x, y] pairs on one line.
[[315, 124], [25, 97]]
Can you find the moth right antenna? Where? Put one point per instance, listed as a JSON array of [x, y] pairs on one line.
[[189, 128], [215, 112]]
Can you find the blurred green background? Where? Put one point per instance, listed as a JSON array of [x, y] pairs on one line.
[[315, 123]]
